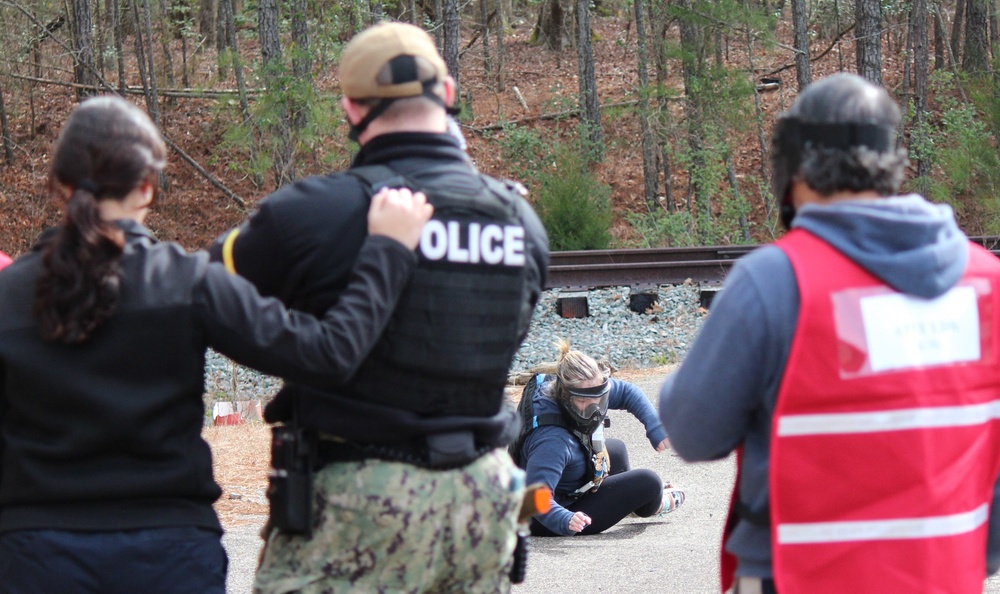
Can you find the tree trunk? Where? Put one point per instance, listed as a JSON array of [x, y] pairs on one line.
[[994, 28], [907, 54], [273, 70], [221, 38], [920, 65], [506, 10], [500, 28], [590, 107], [116, 24], [167, 33], [938, 46], [868, 16], [270, 43], [84, 66], [735, 185], [956, 30], [451, 39], [439, 24], [140, 58], [762, 141], [301, 62], [484, 22], [650, 174], [553, 26], [228, 26], [187, 27], [659, 23], [693, 67], [101, 42], [8, 146], [376, 12], [836, 28], [154, 107], [207, 12], [975, 54], [803, 74]]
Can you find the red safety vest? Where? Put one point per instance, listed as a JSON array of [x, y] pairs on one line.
[[885, 442]]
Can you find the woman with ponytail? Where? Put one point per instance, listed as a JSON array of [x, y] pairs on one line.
[[593, 485], [105, 482]]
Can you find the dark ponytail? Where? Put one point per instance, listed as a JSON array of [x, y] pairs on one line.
[[107, 148]]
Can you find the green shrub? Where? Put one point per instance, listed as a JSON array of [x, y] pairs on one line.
[[573, 205], [962, 150], [660, 228], [523, 149]]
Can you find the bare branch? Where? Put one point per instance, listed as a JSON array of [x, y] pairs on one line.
[[545, 116], [134, 90], [816, 57], [190, 161]]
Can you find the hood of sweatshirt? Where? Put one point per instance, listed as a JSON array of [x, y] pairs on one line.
[[912, 245]]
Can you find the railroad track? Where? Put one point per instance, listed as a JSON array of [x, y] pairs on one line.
[[706, 266]]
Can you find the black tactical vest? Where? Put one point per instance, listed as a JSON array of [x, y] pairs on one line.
[[449, 345]]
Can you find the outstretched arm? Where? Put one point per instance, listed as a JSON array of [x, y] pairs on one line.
[[261, 333], [628, 396]]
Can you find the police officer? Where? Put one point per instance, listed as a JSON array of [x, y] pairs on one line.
[[413, 490], [854, 364]]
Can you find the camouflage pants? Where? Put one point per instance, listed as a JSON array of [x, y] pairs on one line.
[[393, 527]]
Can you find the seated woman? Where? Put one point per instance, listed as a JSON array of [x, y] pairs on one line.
[[571, 456], [105, 482]]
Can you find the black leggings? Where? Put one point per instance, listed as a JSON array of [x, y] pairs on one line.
[[623, 492]]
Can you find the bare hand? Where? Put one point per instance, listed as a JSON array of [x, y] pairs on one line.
[[400, 214], [579, 521], [663, 445]]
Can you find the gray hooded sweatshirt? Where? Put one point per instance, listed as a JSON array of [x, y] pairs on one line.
[[724, 393]]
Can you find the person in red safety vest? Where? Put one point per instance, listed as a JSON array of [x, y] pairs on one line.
[[4, 260], [854, 366]]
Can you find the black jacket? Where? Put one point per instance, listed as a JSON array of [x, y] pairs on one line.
[[298, 246], [107, 435]]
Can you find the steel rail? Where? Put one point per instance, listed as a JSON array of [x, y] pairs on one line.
[[659, 266]]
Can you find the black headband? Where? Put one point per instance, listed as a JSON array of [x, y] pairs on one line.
[[796, 135], [595, 392]]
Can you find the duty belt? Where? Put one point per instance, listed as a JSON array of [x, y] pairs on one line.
[[442, 451]]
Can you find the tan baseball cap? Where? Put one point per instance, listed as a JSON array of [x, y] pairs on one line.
[[366, 54]]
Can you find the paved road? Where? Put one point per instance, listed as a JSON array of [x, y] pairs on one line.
[[676, 555]]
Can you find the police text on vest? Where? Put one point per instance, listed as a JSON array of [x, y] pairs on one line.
[[473, 243]]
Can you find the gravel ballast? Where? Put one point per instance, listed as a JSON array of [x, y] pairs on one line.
[[629, 340]]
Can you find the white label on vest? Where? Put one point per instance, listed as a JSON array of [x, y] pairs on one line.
[[903, 331], [473, 243]]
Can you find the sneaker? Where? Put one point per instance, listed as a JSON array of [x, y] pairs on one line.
[[672, 499]]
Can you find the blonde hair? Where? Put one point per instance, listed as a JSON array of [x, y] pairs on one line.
[[576, 367]]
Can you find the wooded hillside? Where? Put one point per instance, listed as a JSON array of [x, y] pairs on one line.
[[634, 123]]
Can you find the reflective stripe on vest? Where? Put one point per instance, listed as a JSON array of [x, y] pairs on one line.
[[885, 443]]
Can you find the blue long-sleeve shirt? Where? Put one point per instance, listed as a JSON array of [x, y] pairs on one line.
[[554, 456]]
